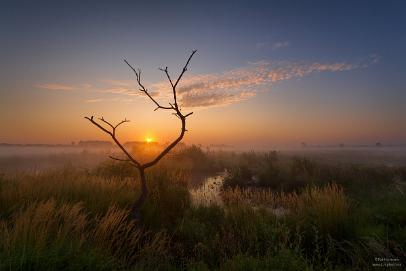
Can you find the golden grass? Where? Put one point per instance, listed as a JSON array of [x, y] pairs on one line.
[[119, 235], [96, 193], [327, 207], [41, 224], [61, 212], [49, 225]]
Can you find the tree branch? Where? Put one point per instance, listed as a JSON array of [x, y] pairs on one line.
[[108, 123], [119, 159], [112, 133], [143, 89], [99, 126], [170, 146], [121, 122], [177, 113], [184, 68], [175, 105], [167, 75]]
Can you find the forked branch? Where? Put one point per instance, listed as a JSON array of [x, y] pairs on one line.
[[112, 133], [143, 89], [172, 106]]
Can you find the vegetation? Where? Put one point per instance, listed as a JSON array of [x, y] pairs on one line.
[[328, 218]]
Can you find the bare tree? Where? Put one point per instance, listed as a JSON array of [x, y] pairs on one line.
[[101, 123]]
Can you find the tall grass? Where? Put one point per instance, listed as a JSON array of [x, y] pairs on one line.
[[67, 185], [327, 207], [48, 236], [71, 219]]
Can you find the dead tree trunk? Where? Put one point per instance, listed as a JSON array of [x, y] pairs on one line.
[[135, 210], [129, 158]]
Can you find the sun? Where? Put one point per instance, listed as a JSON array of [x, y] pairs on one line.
[[149, 139]]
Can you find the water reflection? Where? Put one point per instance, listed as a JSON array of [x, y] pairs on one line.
[[208, 192]]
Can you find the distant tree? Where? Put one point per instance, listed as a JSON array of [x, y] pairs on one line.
[[110, 129], [95, 144], [378, 144]]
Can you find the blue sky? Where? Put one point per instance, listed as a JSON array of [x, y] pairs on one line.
[[332, 63]]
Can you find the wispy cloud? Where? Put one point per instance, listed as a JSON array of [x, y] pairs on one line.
[[93, 100], [61, 87], [117, 99], [86, 86], [374, 58], [280, 44], [220, 89], [272, 45], [125, 87], [245, 82], [114, 82], [118, 90], [261, 44]]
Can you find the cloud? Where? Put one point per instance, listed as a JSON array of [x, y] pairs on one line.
[[374, 58], [126, 87], [280, 44], [214, 99], [273, 46], [121, 100], [245, 82], [117, 90], [114, 82], [116, 87], [61, 87], [217, 89], [261, 44], [125, 91], [93, 100], [86, 86]]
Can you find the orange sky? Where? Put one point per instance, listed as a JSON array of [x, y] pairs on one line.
[[265, 74], [57, 117]]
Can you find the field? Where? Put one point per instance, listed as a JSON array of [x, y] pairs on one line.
[[260, 211]]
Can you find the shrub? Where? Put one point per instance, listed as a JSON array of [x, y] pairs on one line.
[[240, 176]]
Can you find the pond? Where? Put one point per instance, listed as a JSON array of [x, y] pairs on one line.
[[208, 192]]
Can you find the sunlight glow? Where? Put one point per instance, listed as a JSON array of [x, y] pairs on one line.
[[148, 139]]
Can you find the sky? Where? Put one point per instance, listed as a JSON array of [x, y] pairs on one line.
[[266, 73]]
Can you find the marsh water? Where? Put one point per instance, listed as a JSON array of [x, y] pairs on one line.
[[208, 192]]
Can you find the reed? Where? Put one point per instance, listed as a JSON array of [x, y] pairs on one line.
[[75, 219]]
